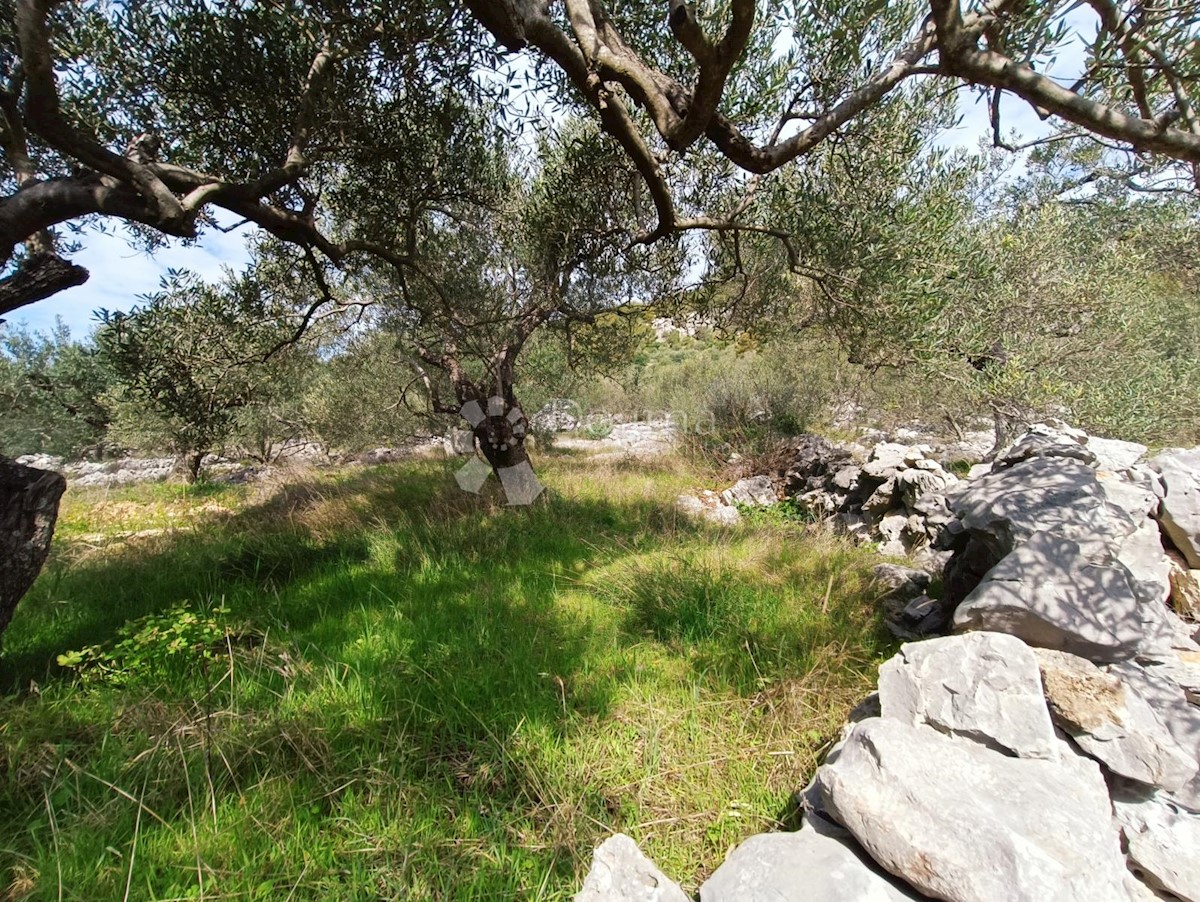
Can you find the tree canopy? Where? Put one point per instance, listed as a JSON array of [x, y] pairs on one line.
[[188, 362], [337, 127]]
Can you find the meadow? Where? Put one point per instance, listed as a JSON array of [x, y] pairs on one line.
[[366, 684]]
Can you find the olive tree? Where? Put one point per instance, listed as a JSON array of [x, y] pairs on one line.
[[188, 363], [542, 249], [158, 114], [763, 85], [50, 389]]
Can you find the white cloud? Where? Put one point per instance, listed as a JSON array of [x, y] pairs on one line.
[[120, 272]]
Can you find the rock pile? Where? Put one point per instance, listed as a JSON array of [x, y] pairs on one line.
[[897, 496], [557, 415], [634, 439], [893, 494], [1050, 747]]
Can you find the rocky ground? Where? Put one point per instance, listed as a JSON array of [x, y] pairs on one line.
[[1048, 746], [635, 439]]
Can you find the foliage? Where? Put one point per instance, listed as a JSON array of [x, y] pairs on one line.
[[723, 395], [597, 431], [354, 133], [171, 644], [189, 362], [50, 389], [1096, 307], [356, 399]]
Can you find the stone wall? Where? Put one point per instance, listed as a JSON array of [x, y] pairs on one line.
[[1049, 747]]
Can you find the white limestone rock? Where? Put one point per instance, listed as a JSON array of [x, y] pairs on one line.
[[1180, 516], [1052, 594], [958, 821], [755, 491], [1163, 845], [804, 866], [621, 873], [1161, 688], [1113, 454], [1111, 722], [982, 686]]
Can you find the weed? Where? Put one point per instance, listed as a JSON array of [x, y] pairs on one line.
[[960, 468], [597, 431]]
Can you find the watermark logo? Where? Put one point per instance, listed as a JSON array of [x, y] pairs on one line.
[[521, 485]]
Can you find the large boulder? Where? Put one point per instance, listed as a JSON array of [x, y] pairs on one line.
[[557, 415], [982, 686], [1040, 495], [1112, 723], [1047, 440], [1163, 845], [815, 863], [1053, 594], [1113, 454], [755, 491], [621, 873], [961, 822], [1180, 516], [1161, 688], [708, 506]]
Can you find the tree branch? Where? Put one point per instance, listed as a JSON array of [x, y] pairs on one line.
[[45, 117]]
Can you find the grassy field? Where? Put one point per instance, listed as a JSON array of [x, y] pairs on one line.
[[369, 685]]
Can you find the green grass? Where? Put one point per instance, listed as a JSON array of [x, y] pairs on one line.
[[414, 693]]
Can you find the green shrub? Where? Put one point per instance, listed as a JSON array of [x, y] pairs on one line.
[[597, 431], [171, 643]]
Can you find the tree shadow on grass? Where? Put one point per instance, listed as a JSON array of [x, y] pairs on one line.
[[423, 649], [419, 653], [269, 561]]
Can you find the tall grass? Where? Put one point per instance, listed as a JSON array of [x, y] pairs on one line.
[[369, 685]]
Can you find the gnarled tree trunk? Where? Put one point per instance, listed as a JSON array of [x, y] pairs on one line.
[[500, 429], [188, 466], [28, 510]]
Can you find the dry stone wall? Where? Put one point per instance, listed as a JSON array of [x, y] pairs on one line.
[[1047, 747]]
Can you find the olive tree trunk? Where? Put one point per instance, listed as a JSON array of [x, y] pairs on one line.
[[28, 510], [189, 465], [500, 429]]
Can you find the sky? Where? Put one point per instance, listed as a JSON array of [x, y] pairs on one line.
[[120, 272]]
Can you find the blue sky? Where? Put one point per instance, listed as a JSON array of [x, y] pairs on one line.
[[121, 272]]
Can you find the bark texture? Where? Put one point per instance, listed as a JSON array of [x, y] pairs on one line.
[[38, 277], [28, 510]]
